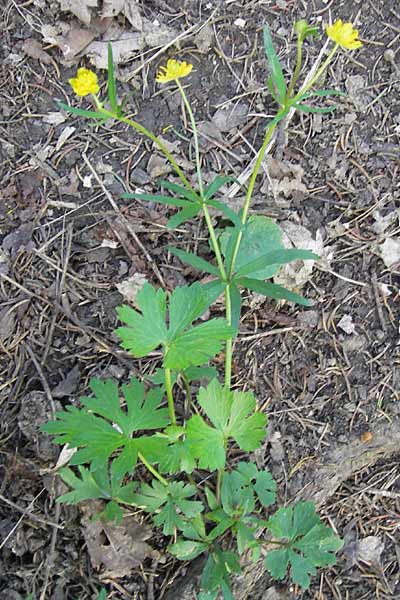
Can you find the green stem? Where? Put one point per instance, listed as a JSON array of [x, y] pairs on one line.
[[138, 127], [229, 342], [318, 74], [152, 470], [186, 383], [207, 217], [220, 475], [297, 69], [195, 136], [250, 189], [246, 206], [214, 242], [170, 397]]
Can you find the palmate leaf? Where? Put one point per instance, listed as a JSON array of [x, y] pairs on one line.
[[197, 345], [147, 329], [184, 345], [169, 502], [91, 485], [309, 543], [177, 456], [84, 487], [242, 485], [217, 573], [91, 429], [187, 549], [232, 416]]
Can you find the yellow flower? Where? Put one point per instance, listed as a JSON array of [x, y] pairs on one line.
[[174, 70], [85, 82], [344, 34]]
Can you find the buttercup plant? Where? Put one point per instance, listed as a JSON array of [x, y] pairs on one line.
[[202, 502]]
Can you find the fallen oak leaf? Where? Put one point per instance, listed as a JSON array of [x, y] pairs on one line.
[[125, 547]]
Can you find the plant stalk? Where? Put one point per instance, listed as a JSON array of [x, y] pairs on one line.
[[317, 75], [170, 397], [141, 129], [207, 216], [296, 72], [229, 341], [152, 470]]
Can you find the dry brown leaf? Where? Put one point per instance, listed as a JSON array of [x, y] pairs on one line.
[[129, 8], [75, 41], [294, 235], [118, 548], [33, 49], [390, 251], [80, 8], [130, 287], [126, 44]]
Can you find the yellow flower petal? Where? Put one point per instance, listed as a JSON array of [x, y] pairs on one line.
[[174, 70], [344, 34], [85, 82]]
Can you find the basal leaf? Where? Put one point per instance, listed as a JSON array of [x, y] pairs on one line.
[[84, 487], [186, 304], [206, 443], [245, 426], [146, 330], [265, 488], [301, 569], [276, 562], [187, 549], [197, 345], [309, 543], [167, 500]]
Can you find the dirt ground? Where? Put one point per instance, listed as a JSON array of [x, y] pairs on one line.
[[328, 376]]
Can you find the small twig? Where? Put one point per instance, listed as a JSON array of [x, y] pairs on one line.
[[26, 513], [42, 378], [125, 221]]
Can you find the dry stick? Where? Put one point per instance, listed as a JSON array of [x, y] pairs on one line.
[[59, 291], [26, 513], [50, 557], [125, 221], [236, 187]]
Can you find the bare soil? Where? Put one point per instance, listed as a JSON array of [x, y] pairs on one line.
[[331, 391]]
